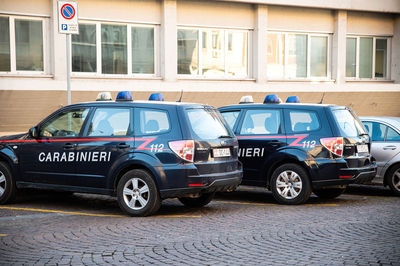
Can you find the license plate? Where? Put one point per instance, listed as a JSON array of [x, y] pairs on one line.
[[362, 148], [225, 152]]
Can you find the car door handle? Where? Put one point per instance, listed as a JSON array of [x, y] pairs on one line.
[[389, 148], [123, 146], [68, 146]]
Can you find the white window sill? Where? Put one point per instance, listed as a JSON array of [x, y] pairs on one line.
[[201, 78], [111, 76], [25, 75], [370, 80], [301, 80]]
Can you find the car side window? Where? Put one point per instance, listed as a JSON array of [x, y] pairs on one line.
[[392, 135], [303, 121], [378, 131], [110, 122], [151, 121], [65, 124], [262, 121], [231, 117]]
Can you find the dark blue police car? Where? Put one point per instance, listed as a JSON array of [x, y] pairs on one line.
[[294, 149], [140, 151]]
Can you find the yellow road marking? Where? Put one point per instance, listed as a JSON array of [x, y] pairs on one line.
[[56, 211], [3, 235], [272, 204], [94, 214]]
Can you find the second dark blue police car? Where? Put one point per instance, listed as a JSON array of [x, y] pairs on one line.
[[140, 151], [294, 149]]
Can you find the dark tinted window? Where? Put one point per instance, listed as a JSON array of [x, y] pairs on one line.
[[261, 121], [375, 130], [65, 124], [231, 117], [303, 121], [392, 135], [151, 121], [110, 122], [207, 123]]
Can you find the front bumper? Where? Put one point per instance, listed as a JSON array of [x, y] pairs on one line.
[[348, 176], [212, 183]]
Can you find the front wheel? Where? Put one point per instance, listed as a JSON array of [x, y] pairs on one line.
[[329, 193], [290, 184], [201, 201], [137, 193], [394, 179], [7, 184]]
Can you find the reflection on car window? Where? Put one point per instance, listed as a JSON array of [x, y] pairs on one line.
[[151, 121], [207, 123], [392, 135], [303, 121], [110, 122], [65, 124], [231, 117], [261, 122]]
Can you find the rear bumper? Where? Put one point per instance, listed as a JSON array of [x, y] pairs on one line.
[[349, 176], [206, 184]]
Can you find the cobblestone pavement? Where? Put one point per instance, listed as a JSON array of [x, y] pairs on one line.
[[245, 227]]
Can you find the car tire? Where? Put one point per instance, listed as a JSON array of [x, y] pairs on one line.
[[329, 193], [201, 201], [290, 184], [137, 193], [7, 184], [393, 179]]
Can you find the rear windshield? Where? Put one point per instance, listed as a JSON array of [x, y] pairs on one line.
[[207, 123], [348, 122]]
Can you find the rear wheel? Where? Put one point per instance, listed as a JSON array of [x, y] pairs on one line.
[[137, 193], [7, 184], [290, 184], [329, 193], [393, 179], [201, 201]]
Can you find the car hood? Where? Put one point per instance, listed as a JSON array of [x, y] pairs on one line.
[[14, 137]]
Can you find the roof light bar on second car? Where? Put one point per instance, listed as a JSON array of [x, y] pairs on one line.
[[104, 96], [272, 98], [156, 97], [246, 99], [293, 99], [124, 96]]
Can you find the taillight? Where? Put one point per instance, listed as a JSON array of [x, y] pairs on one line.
[[334, 145], [183, 148]]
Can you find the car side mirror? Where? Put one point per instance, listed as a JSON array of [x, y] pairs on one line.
[[33, 132]]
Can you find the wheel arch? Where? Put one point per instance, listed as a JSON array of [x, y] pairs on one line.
[[386, 176], [286, 160]]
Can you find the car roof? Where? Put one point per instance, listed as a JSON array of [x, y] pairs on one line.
[[137, 103], [391, 120], [282, 105]]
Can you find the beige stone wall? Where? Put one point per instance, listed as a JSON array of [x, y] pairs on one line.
[[20, 110]]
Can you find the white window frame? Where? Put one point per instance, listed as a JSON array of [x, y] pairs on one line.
[[13, 56], [129, 74], [308, 70], [225, 32], [388, 57]]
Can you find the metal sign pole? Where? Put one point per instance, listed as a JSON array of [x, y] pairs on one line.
[[68, 68]]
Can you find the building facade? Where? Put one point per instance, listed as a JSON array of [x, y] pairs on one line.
[[346, 52]]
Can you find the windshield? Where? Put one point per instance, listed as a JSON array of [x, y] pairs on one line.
[[349, 124], [207, 123]]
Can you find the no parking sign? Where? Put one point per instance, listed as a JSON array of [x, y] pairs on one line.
[[68, 17]]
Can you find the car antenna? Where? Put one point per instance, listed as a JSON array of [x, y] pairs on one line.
[[180, 98], [322, 99]]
